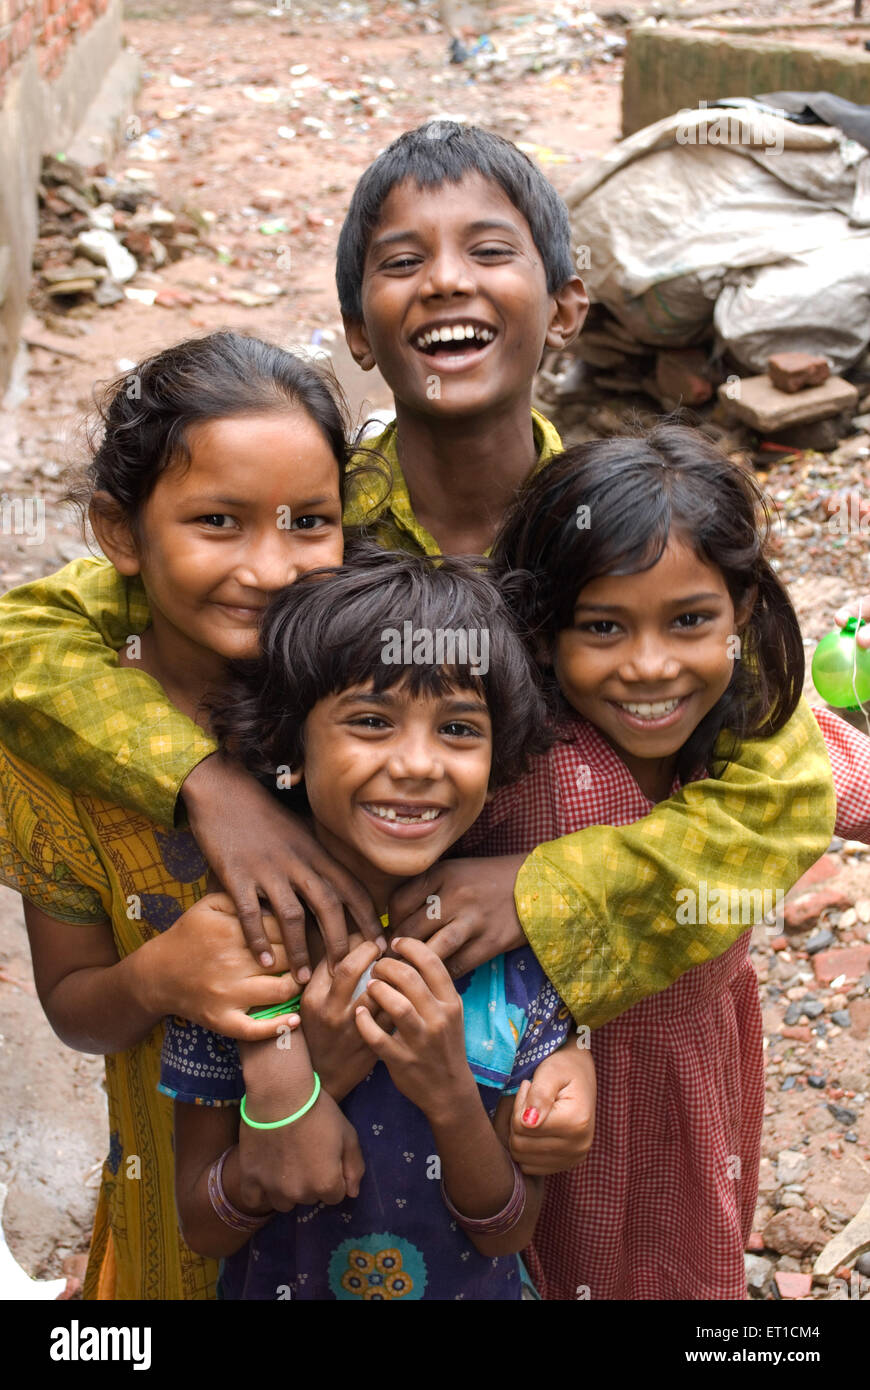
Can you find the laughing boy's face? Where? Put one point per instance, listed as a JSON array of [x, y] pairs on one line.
[[393, 780], [456, 311]]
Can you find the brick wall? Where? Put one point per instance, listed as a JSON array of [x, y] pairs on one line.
[[47, 26]]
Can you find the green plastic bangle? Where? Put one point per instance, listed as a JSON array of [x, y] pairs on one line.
[[291, 1007], [278, 1124]]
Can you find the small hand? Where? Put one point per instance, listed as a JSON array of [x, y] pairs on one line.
[[201, 969], [553, 1120], [316, 1159], [259, 850], [425, 1054], [328, 1009], [851, 610], [476, 915]]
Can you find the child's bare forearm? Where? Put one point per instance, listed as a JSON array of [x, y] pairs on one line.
[[99, 1010], [202, 1134], [202, 1228], [278, 1074], [94, 1002], [478, 1174]]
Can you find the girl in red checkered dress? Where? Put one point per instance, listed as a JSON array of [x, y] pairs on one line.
[[658, 623]]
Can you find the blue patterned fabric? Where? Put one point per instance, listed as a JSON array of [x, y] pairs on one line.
[[397, 1239]]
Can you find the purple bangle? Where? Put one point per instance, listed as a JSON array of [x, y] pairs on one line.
[[223, 1207], [503, 1221]]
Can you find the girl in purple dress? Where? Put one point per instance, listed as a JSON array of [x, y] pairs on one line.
[[398, 695]]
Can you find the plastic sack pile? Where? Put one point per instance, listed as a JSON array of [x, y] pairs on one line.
[[735, 219]]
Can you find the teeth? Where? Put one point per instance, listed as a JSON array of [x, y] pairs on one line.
[[390, 813], [651, 710], [454, 333]]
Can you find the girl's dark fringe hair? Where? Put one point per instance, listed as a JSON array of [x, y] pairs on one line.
[[325, 634], [142, 418], [637, 489]]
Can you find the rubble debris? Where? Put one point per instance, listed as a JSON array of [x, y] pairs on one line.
[[793, 1232], [756, 400], [96, 233], [853, 1240]]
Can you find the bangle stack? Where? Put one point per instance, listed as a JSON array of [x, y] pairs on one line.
[[505, 1220], [223, 1207]]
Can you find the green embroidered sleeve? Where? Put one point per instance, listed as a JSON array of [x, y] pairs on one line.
[[68, 708]]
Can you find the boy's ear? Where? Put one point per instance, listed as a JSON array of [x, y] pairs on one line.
[[297, 775], [570, 307], [114, 534], [357, 341]]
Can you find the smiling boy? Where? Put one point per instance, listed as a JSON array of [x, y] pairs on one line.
[[454, 274]]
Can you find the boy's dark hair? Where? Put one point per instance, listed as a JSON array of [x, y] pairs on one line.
[[444, 152], [144, 415], [328, 632], [638, 490]]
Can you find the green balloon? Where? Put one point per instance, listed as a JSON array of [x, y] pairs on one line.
[[837, 675]]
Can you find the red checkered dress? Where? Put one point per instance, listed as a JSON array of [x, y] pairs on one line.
[[664, 1203]]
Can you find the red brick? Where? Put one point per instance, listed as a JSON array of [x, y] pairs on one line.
[[804, 912], [851, 961], [859, 1012], [794, 371], [683, 376], [799, 1032], [793, 1285], [826, 867]]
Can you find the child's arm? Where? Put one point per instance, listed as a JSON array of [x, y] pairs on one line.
[[552, 1123], [198, 968], [322, 1163], [68, 708], [849, 752], [202, 1133], [425, 1056], [603, 909]]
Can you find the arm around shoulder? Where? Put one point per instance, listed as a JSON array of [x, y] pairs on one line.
[[614, 913], [68, 707]]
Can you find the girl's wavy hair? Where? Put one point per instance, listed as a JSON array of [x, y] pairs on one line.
[[328, 632], [637, 491], [144, 416]]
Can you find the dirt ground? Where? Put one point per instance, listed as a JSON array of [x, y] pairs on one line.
[[252, 127]]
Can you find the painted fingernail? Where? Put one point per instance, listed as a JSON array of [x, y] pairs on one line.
[[530, 1116], [266, 958]]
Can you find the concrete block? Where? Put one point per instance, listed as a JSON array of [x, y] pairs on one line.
[[758, 402], [670, 69]]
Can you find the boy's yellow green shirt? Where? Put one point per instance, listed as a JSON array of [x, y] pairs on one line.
[[598, 906]]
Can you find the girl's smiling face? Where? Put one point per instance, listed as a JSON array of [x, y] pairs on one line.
[[257, 505], [649, 656], [393, 780]]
